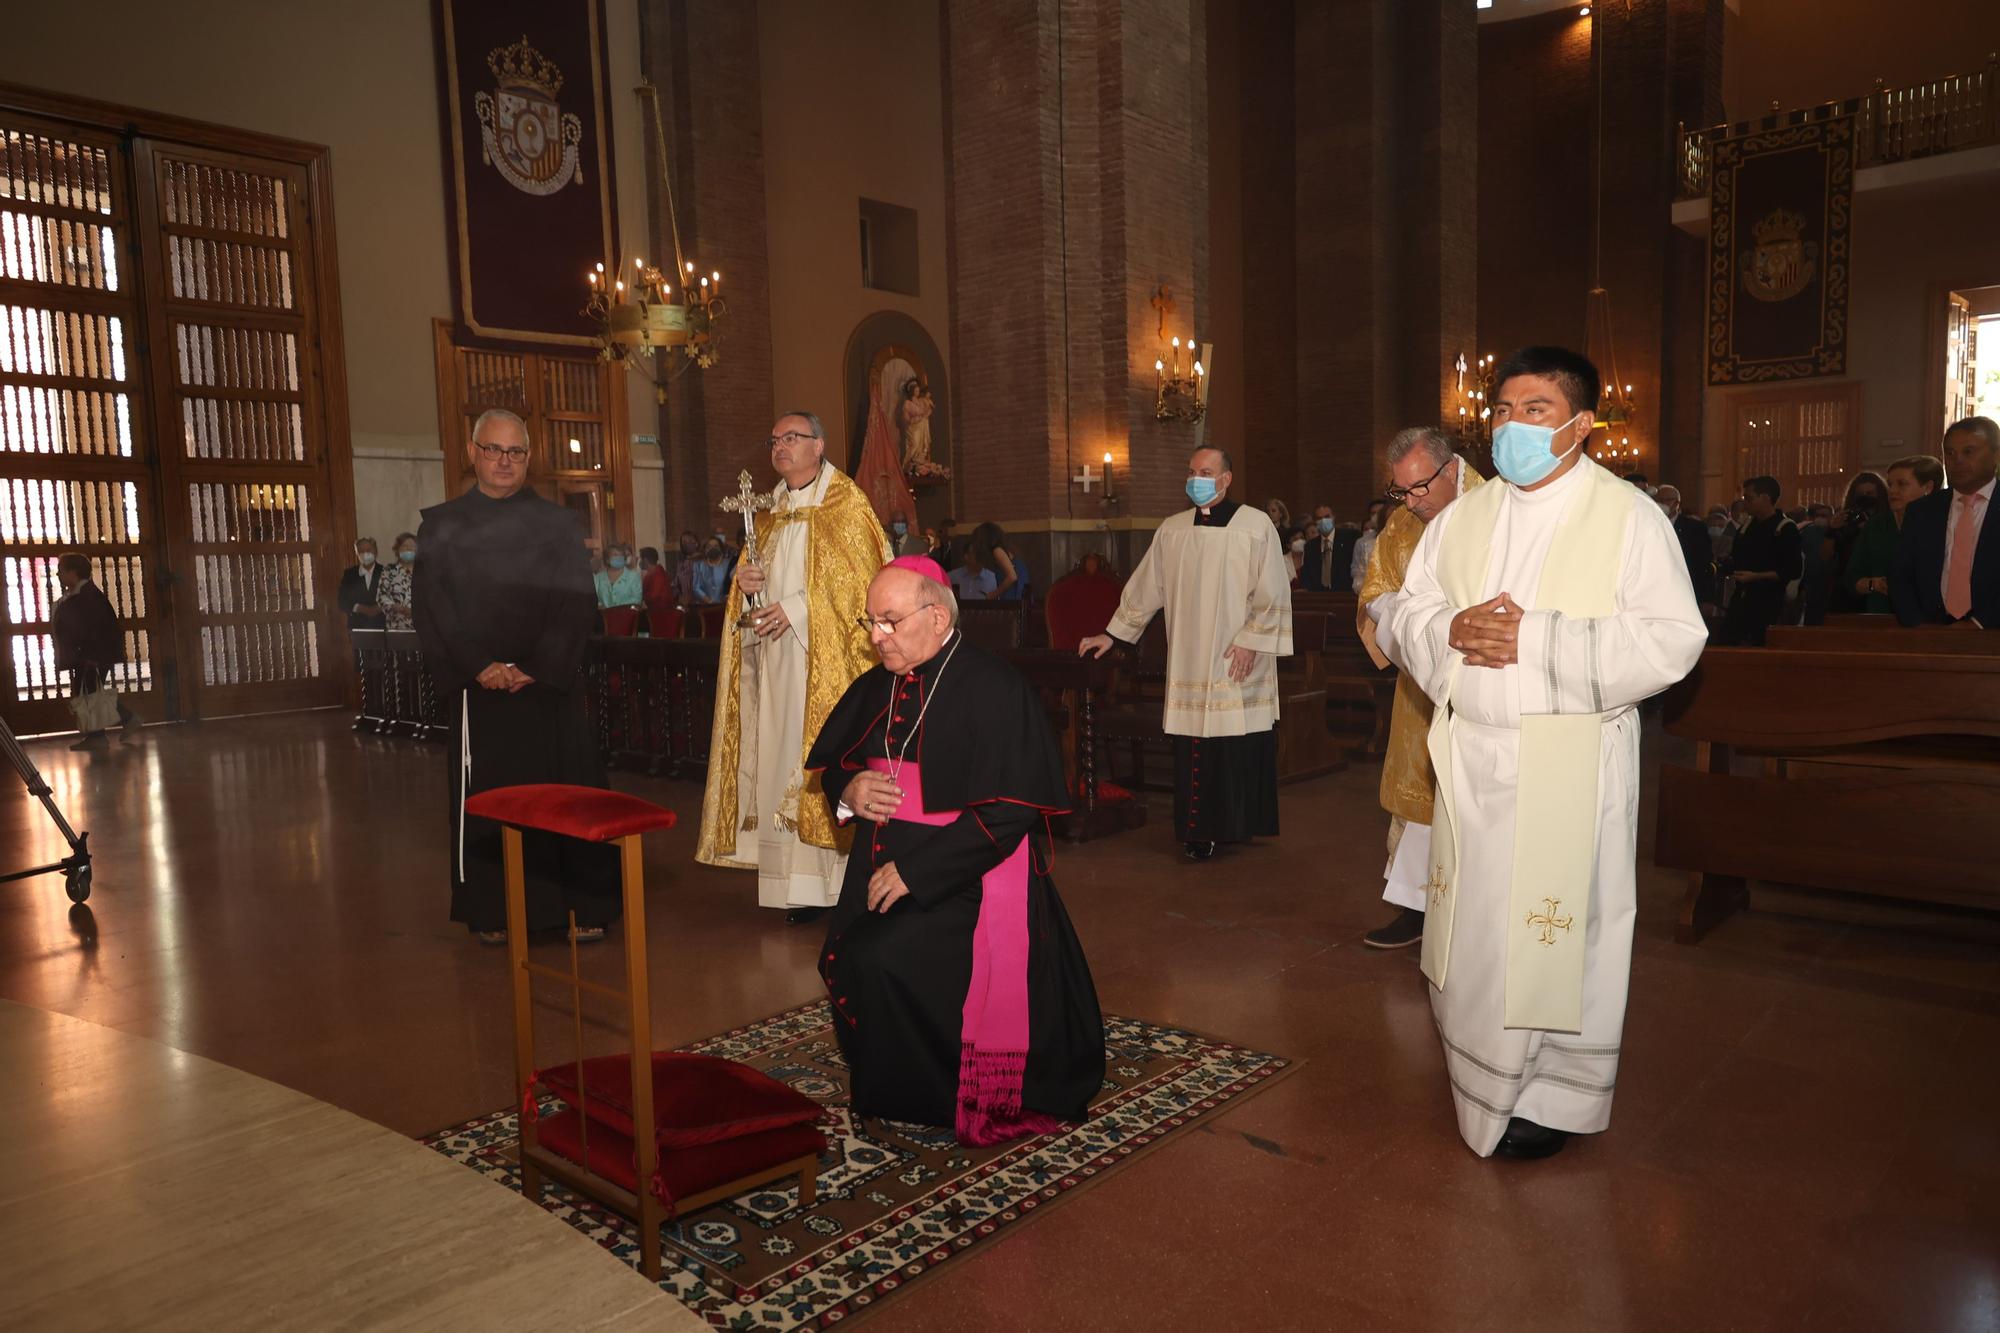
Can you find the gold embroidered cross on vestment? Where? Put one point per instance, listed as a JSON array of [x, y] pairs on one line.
[[1437, 886], [1548, 922]]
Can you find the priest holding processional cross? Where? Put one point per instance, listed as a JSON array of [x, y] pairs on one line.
[[792, 644]]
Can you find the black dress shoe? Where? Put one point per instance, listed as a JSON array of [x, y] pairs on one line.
[[1405, 930], [1198, 851], [1527, 1141], [803, 916]]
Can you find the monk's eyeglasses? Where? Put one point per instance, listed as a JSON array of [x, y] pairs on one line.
[[1397, 494], [513, 454]]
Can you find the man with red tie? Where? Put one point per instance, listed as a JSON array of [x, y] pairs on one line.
[[1947, 569]]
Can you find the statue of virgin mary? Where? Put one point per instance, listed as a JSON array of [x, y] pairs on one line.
[[880, 473]]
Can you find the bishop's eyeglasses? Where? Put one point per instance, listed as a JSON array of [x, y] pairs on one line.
[[1398, 494]]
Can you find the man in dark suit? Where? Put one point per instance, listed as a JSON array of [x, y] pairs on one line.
[[1763, 560], [1326, 565], [358, 585], [1947, 566], [88, 640], [1696, 547]]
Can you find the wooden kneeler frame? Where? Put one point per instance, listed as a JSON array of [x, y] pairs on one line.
[[644, 1207]]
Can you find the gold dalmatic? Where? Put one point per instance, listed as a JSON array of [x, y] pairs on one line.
[[1406, 767], [845, 548]]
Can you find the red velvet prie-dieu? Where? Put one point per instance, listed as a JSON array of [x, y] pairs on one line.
[[590, 813], [697, 1099]]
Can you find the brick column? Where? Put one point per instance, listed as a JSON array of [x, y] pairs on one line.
[[703, 56], [1076, 174]]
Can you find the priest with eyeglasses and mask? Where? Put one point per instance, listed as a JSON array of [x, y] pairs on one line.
[[504, 604], [959, 990]]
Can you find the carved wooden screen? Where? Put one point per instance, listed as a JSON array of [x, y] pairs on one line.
[[164, 408], [75, 447], [1809, 438], [576, 415], [244, 469]]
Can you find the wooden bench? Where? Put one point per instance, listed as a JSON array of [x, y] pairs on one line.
[[1889, 638], [1876, 773]]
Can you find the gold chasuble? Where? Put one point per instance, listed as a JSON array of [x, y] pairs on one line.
[[1406, 767], [845, 548], [1556, 817]]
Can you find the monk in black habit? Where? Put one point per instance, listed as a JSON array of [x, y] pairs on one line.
[[960, 992], [503, 604]]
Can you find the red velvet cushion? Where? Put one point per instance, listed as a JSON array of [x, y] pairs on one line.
[[682, 1171], [590, 813], [697, 1099], [621, 622]]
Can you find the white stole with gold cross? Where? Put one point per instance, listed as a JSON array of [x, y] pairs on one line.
[[1555, 815]]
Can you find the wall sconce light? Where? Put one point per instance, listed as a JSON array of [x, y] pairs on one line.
[[1180, 378]]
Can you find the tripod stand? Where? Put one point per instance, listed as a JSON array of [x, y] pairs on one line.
[[76, 866]]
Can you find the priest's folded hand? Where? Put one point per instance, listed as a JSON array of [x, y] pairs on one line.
[[885, 886], [1489, 634], [874, 796], [518, 680], [494, 677]]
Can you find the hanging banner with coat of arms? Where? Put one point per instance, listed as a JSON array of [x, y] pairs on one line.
[[527, 130], [1780, 207]]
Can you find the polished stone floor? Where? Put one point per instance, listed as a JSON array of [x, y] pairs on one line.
[[1805, 1133]]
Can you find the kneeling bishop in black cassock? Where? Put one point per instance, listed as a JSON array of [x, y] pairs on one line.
[[503, 607], [959, 989]]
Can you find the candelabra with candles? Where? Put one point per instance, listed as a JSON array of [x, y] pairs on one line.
[[1475, 398], [1179, 385], [664, 320], [639, 319]]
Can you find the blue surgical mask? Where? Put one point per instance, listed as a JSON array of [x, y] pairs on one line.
[[408, 557], [900, 528], [1715, 529], [1201, 490], [366, 558], [616, 562], [1325, 525], [1521, 451]]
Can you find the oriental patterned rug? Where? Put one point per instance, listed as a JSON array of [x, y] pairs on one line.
[[900, 1201]]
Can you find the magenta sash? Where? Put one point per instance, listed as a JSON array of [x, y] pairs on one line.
[[993, 1029]]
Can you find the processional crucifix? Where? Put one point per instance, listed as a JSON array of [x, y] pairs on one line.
[[749, 502]]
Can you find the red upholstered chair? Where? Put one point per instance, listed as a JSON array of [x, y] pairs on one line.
[[719, 1128], [664, 622], [709, 619], [621, 622], [1080, 605]]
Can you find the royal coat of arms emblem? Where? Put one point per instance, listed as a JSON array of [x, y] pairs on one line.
[[1781, 264], [526, 135]]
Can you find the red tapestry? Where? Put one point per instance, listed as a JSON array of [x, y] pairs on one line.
[[527, 136]]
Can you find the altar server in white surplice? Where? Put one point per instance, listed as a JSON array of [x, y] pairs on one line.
[[1219, 572], [1537, 614]]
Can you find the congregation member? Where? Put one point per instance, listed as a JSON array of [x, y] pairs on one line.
[[1425, 475], [1867, 496], [1218, 570], [503, 607], [88, 643], [397, 589], [1537, 613], [1947, 566], [1763, 559], [1327, 562], [1364, 546], [358, 584], [1817, 564], [905, 540], [618, 584], [779, 674], [959, 989], [1867, 575], [684, 565], [1010, 573], [709, 581], [1696, 542], [973, 580], [656, 586]]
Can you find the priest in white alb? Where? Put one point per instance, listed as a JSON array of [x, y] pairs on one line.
[[1219, 572], [1537, 614], [818, 545]]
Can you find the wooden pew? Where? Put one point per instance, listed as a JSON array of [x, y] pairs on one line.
[[1848, 637], [1879, 773]]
